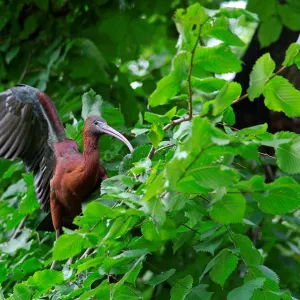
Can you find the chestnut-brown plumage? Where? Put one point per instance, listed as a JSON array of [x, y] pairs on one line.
[[30, 129]]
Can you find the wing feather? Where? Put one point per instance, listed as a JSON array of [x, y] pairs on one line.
[[26, 132]]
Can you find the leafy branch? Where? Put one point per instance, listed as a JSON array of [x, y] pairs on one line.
[[245, 96], [190, 92]]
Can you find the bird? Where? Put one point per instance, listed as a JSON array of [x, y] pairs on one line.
[[31, 130]]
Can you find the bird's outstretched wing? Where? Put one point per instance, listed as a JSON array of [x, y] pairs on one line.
[[29, 126]]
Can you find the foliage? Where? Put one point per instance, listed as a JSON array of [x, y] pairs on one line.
[[187, 215]]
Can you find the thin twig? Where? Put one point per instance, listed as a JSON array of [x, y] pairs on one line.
[[202, 197], [267, 155], [86, 253], [192, 229], [20, 227], [25, 67], [239, 99], [163, 148]]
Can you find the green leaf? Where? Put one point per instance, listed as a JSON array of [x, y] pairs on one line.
[[292, 55], [199, 293], [289, 17], [187, 155], [212, 176], [42, 4], [156, 134], [288, 154], [269, 31], [175, 201], [264, 9], [120, 226], [132, 277], [225, 264], [265, 294], [225, 97], [91, 104], [209, 245], [155, 118], [229, 116], [208, 85], [128, 274], [20, 242], [169, 86], [11, 54], [230, 209], [262, 71], [165, 232], [248, 252], [280, 95], [245, 291], [69, 245], [271, 279], [22, 292], [44, 280], [156, 210], [253, 130], [235, 13], [220, 29], [121, 259], [256, 183], [281, 196], [269, 273], [181, 288], [183, 237], [91, 263], [30, 25], [29, 202], [94, 211], [163, 276], [185, 21], [218, 59], [154, 187], [30, 265]]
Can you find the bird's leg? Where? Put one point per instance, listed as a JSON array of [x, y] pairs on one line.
[[56, 214], [57, 233]]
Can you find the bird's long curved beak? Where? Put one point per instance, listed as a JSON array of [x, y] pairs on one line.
[[107, 129]]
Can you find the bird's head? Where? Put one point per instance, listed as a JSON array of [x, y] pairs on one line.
[[98, 126]]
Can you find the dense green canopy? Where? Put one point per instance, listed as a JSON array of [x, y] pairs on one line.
[[202, 209]]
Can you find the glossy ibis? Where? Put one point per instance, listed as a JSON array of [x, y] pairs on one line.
[[30, 129]]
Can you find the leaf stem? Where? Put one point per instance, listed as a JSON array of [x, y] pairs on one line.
[[234, 243]]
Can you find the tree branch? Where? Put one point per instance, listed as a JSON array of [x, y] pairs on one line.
[[164, 147], [246, 95], [190, 92]]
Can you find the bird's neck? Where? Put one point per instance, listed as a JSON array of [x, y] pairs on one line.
[[90, 149]]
